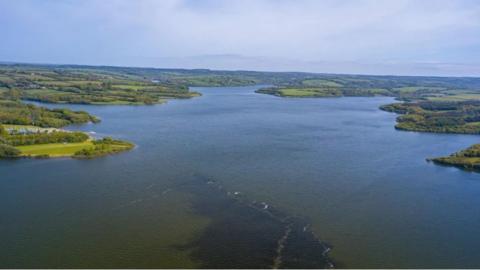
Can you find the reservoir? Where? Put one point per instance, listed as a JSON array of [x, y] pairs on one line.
[[220, 179]]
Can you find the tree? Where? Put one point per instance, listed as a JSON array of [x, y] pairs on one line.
[[7, 151]]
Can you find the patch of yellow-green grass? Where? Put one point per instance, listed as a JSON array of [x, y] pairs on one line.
[[34, 77], [296, 92], [408, 89], [70, 83], [355, 80], [411, 89], [473, 124], [459, 92], [460, 97], [45, 91], [309, 92], [6, 79], [55, 83], [86, 82], [319, 82], [54, 149], [379, 91], [129, 87]]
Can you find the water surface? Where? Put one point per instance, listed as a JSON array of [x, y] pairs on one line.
[[337, 164]]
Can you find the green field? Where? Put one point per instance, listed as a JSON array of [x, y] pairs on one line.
[[91, 148], [54, 149], [408, 89], [68, 83], [460, 97], [129, 87], [309, 92], [320, 83], [33, 141], [296, 93]]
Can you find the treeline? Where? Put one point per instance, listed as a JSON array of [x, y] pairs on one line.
[[105, 96], [7, 151], [44, 137], [17, 113]]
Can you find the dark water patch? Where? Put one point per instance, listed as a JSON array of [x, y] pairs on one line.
[[303, 250], [250, 234]]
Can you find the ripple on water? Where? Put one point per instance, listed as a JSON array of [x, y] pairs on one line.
[[250, 234]]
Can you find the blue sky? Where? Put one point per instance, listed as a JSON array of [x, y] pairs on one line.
[[401, 37]]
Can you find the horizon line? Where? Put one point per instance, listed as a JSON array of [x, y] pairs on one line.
[[2, 62]]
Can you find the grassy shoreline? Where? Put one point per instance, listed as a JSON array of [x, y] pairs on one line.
[[83, 150], [29, 141], [53, 149]]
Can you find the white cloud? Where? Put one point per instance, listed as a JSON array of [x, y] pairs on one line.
[[364, 31]]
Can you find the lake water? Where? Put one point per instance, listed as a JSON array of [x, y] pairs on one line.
[[198, 188]]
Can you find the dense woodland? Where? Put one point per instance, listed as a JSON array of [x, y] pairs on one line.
[[8, 151], [17, 113], [439, 116], [15, 139]]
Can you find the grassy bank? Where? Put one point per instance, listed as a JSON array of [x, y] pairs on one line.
[[32, 141], [53, 149], [84, 150]]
